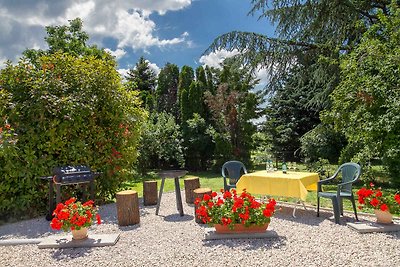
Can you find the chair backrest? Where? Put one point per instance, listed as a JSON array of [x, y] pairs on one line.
[[351, 172], [233, 170]]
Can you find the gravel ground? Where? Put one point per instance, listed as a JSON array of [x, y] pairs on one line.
[[171, 240]]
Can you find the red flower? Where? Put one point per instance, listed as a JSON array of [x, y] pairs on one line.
[[89, 203], [374, 202], [227, 194], [214, 194], [397, 198], [206, 197], [384, 207], [70, 201], [378, 193], [197, 201], [55, 224], [98, 219], [73, 215], [267, 212]]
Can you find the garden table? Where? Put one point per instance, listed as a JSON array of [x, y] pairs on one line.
[[277, 183], [176, 174]]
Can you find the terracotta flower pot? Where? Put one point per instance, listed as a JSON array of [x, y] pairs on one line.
[[80, 234], [240, 228], [383, 216]]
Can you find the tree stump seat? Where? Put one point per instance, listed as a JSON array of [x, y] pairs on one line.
[[191, 184], [150, 196], [127, 208]]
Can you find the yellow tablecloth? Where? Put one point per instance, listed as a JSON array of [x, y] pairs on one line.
[[291, 184]]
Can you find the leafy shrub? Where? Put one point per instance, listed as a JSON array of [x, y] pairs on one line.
[[161, 143], [65, 110]]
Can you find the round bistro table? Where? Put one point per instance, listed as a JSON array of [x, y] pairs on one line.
[[176, 174]]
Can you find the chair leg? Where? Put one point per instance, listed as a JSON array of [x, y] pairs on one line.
[[354, 207], [341, 206], [317, 206], [336, 211]]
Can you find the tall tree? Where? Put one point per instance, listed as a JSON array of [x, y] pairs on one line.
[[143, 79], [167, 89], [186, 77], [233, 106], [68, 39], [366, 102], [326, 27]]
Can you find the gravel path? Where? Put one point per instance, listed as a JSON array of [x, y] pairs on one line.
[[171, 240]]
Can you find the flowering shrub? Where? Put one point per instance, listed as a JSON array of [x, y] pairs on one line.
[[74, 215], [231, 208], [376, 199]]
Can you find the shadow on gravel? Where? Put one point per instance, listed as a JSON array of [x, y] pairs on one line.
[[177, 218], [63, 254], [309, 217], [248, 244]]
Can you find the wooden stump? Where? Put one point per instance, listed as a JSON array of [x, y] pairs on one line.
[[190, 185], [199, 193], [150, 196], [127, 207]]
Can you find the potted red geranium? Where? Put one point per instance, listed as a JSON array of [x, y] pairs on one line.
[[383, 204], [75, 216], [235, 212]]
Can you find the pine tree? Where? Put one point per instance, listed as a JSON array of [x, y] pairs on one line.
[[143, 79], [167, 89]]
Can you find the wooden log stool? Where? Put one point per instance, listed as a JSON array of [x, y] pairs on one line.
[[127, 208], [199, 193], [150, 193], [190, 185]]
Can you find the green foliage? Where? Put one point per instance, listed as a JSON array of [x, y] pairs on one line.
[[186, 77], [289, 115], [161, 143], [198, 143], [322, 142], [68, 39], [366, 102], [143, 79], [70, 110], [233, 107], [167, 89]]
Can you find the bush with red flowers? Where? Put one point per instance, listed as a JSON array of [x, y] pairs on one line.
[[231, 208], [374, 198], [73, 215]]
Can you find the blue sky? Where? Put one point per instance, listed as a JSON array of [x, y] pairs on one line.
[[176, 31]]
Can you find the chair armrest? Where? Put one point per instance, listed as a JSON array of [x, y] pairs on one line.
[[325, 181], [339, 186]]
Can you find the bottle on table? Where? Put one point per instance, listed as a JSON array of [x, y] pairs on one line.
[[284, 167]]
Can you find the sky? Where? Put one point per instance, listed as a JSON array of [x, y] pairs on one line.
[[174, 31]]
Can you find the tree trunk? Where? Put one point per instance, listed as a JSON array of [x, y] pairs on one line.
[[127, 208], [150, 193], [190, 185]]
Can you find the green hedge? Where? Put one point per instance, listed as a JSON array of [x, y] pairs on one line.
[[63, 110]]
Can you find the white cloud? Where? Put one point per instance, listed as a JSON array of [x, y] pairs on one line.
[[119, 53], [154, 67], [214, 59], [127, 21], [123, 72]]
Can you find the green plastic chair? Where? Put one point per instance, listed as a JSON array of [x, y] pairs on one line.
[[232, 171], [350, 173]]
